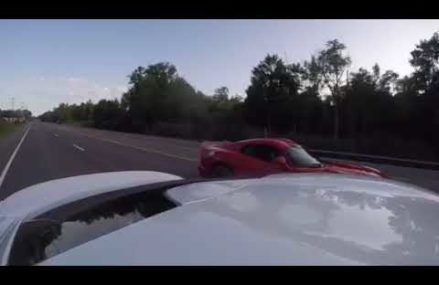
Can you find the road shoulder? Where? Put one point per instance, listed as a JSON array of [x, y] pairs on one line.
[[8, 144]]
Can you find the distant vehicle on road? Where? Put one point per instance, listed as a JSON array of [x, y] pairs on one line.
[[153, 218], [257, 157]]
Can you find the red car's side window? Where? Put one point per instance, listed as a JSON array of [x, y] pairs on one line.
[[262, 152]]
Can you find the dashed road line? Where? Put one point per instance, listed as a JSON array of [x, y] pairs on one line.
[[78, 147], [176, 144], [141, 148]]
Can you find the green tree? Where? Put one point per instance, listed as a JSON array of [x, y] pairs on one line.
[[425, 81], [312, 109], [145, 99], [425, 61], [270, 96], [333, 63], [312, 76], [107, 114], [221, 94], [388, 81], [368, 103], [158, 94]]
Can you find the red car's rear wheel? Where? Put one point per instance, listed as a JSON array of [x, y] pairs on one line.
[[221, 171]]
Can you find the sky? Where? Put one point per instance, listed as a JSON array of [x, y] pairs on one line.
[[46, 62]]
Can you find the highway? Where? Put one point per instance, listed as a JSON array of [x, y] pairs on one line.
[[40, 152]]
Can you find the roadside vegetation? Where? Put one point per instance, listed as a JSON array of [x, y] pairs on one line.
[[10, 120], [320, 102], [7, 128]]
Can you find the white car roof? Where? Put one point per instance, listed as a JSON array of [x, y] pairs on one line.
[[306, 219]]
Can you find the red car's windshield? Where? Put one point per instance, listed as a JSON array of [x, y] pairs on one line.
[[298, 157]]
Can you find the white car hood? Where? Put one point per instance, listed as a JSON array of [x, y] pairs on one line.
[[306, 219]]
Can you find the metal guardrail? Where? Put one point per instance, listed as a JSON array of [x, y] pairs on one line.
[[376, 158]]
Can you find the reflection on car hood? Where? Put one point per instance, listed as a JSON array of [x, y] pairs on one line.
[[281, 219]]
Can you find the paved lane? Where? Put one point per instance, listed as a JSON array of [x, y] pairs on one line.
[[174, 148], [189, 149], [422, 177], [53, 151]]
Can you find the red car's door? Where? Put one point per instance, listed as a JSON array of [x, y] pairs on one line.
[[256, 160]]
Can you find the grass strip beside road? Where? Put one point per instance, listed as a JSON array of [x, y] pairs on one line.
[[8, 128]]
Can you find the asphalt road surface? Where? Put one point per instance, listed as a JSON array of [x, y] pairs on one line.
[[43, 151]]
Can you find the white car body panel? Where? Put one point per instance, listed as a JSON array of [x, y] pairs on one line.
[[36, 199], [297, 219], [8, 226], [190, 193], [39, 198]]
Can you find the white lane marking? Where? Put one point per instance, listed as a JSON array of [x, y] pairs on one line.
[[141, 148], [78, 147], [162, 142], [8, 165]]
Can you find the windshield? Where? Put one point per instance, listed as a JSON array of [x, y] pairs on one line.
[[298, 157]]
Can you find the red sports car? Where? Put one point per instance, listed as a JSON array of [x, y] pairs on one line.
[[258, 157]]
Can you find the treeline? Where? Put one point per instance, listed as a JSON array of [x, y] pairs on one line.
[[320, 102], [159, 101], [16, 113]]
